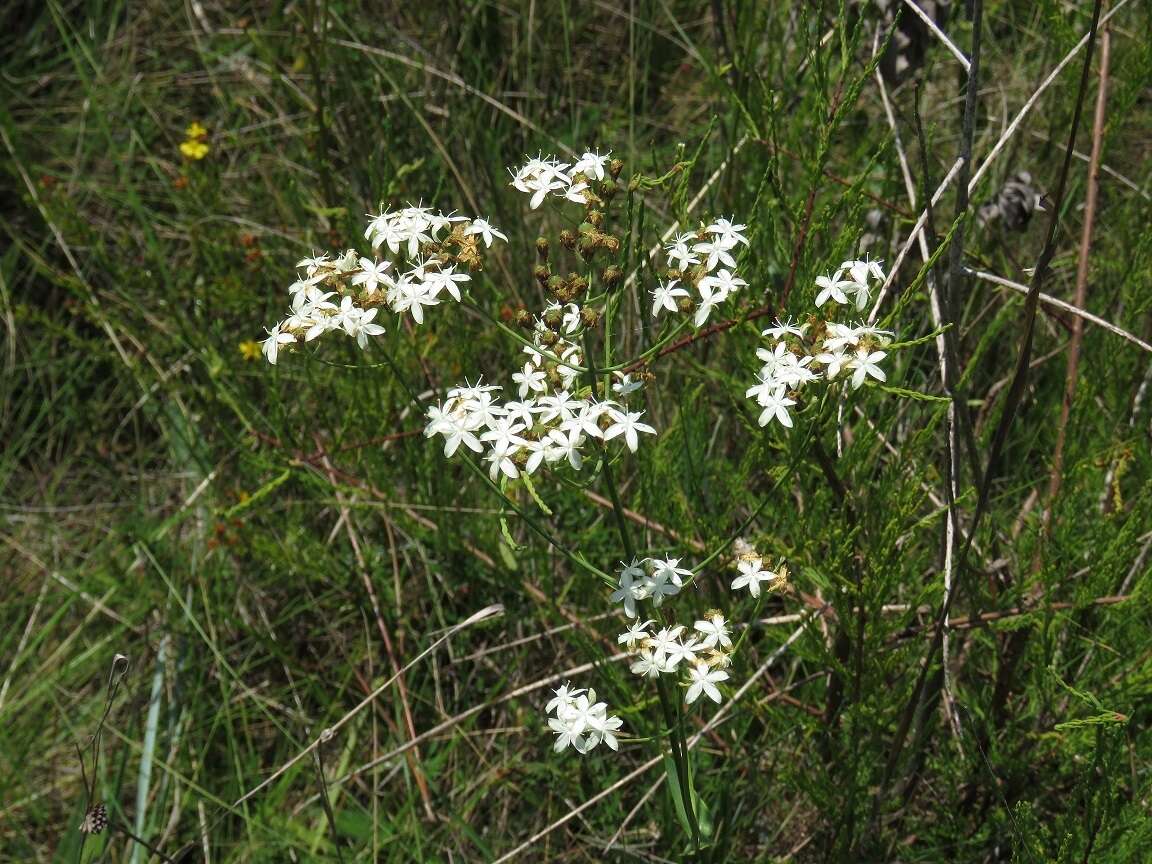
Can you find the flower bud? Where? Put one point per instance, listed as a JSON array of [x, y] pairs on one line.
[[612, 276], [615, 167], [607, 241], [542, 248], [595, 218], [568, 240], [556, 287], [589, 317], [541, 273]]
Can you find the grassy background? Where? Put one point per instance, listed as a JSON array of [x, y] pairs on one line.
[[267, 546]]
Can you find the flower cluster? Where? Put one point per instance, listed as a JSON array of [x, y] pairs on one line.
[[579, 720], [544, 176], [704, 261], [345, 293], [820, 350], [753, 574], [702, 654], [648, 579], [520, 436], [553, 418]]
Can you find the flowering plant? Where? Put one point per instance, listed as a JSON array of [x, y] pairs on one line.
[[569, 401]]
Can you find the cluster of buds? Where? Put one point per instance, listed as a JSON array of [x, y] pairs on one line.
[[820, 350], [345, 293]]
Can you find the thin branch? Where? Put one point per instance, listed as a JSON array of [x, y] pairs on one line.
[[1056, 303], [914, 7]]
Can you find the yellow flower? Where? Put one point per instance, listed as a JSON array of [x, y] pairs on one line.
[[250, 350], [196, 131], [194, 149]]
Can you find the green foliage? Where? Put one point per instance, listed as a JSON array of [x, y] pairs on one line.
[[295, 540]]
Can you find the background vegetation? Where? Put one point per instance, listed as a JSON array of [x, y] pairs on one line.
[[268, 545]]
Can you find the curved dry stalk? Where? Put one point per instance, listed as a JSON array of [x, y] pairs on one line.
[[1056, 303]]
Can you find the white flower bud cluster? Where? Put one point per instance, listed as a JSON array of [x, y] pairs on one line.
[[693, 259], [553, 420], [703, 654], [580, 721], [821, 350], [345, 293], [544, 176]]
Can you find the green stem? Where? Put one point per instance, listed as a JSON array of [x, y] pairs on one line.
[[673, 716]]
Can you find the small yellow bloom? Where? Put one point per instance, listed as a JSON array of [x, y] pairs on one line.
[[196, 131], [194, 149], [250, 350]]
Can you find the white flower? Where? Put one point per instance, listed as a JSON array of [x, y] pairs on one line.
[[786, 327], [633, 583], [727, 232], [623, 385], [665, 297], [530, 379], [865, 363], [565, 696], [311, 265], [775, 407], [684, 650], [445, 280], [660, 586], [485, 230], [709, 299], [724, 282], [833, 288], [752, 573], [408, 296], [363, 327], [592, 165], [635, 634], [649, 665], [833, 362], [372, 275], [582, 722], [716, 252], [503, 433], [566, 445], [664, 639], [627, 424], [678, 251], [670, 569], [271, 346], [715, 632], [704, 680], [575, 193]]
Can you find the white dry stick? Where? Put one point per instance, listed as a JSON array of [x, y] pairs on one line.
[[327, 734], [948, 43], [148, 749], [979, 173], [1055, 303], [950, 527], [912, 238], [1044, 85]]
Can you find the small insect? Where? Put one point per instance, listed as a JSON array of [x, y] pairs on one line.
[[95, 820]]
